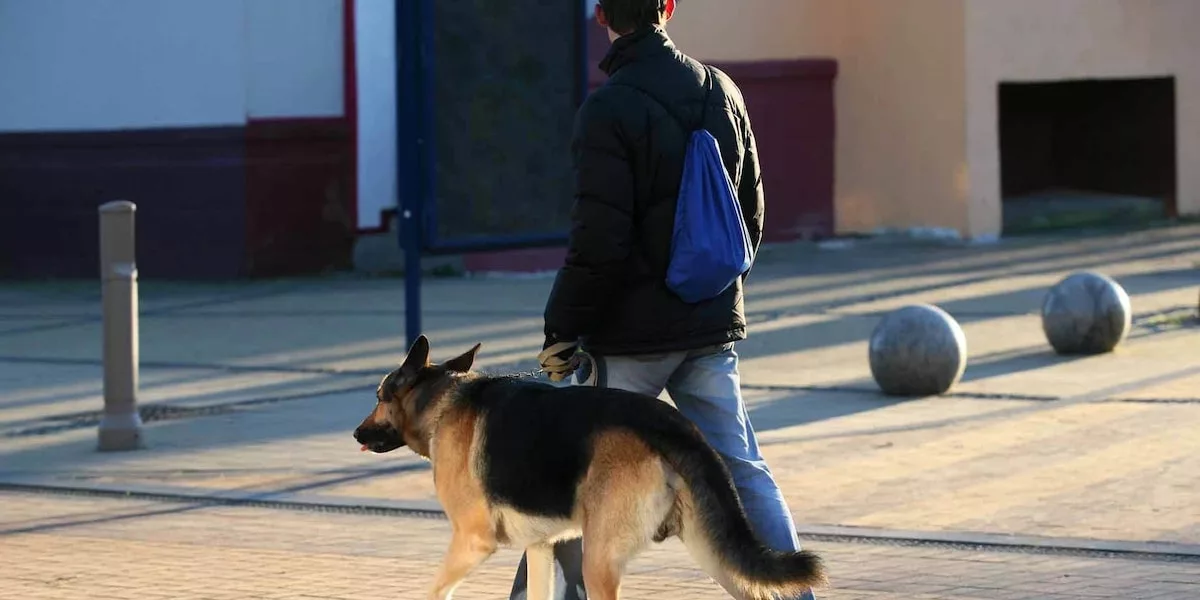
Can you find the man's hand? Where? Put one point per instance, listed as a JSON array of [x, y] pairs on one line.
[[558, 359]]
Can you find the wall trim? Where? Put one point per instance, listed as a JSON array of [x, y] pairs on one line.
[[265, 199], [800, 68]]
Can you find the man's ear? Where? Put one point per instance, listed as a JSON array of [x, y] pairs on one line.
[[462, 363], [418, 355], [601, 18], [669, 11]]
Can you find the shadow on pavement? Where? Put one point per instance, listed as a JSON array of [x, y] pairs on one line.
[[379, 337]]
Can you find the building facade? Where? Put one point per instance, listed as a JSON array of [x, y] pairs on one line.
[[258, 137], [951, 111], [230, 123]]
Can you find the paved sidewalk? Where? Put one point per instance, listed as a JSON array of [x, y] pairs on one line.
[[1103, 471], [69, 548], [253, 389]]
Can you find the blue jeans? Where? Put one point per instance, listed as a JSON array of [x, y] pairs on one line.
[[706, 388]]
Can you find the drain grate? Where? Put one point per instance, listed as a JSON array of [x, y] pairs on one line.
[[1011, 548]]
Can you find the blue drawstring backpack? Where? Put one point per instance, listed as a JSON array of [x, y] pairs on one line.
[[710, 246]]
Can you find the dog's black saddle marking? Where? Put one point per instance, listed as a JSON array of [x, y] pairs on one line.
[[537, 441]]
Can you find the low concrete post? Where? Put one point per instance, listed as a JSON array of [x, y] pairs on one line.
[[121, 426]]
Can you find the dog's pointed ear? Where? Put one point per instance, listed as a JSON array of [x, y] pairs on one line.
[[462, 363], [418, 355]]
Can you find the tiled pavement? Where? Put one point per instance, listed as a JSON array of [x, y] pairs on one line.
[[54, 547], [1102, 448], [1098, 470]]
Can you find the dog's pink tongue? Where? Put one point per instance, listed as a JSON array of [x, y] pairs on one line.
[[364, 448]]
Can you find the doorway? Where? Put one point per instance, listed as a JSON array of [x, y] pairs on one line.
[[1087, 153]]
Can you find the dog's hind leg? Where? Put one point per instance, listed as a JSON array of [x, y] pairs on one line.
[[613, 535], [468, 550], [627, 500], [540, 574]]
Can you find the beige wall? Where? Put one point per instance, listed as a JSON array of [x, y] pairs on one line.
[[750, 30], [1030, 40], [901, 116], [900, 103], [917, 141]]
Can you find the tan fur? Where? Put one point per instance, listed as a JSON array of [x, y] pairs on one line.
[[473, 537], [625, 498], [628, 498]]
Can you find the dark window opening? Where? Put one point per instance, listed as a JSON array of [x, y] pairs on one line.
[[1088, 152]]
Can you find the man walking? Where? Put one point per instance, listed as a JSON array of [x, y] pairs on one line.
[[610, 299]]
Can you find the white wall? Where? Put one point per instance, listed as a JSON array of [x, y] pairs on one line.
[[115, 64], [375, 55], [293, 58], [70, 65]]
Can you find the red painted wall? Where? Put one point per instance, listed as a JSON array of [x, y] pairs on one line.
[[299, 196], [791, 106]]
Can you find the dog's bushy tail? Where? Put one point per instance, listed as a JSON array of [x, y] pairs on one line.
[[718, 535]]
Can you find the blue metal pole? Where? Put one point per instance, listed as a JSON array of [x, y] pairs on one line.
[[411, 232], [409, 168]]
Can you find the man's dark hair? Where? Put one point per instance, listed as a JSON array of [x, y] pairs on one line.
[[625, 16]]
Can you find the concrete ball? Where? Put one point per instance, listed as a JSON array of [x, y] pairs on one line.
[[1086, 313], [917, 350]]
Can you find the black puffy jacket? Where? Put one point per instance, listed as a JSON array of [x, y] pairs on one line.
[[628, 154]]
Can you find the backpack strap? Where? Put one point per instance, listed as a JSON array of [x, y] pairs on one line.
[[703, 109]]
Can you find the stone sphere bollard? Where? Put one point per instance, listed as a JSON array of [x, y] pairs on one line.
[[917, 350], [1086, 313]]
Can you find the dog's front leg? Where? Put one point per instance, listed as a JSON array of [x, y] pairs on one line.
[[540, 573], [468, 549]]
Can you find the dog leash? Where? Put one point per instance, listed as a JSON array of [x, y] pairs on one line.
[[552, 350], [585, 370], [525, 374]]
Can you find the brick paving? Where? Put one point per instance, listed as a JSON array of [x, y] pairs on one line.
[[55, 547], [1102, 448], [1110, 471]]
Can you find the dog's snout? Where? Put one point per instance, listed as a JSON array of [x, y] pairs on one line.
[[378, 439], [366, 435]]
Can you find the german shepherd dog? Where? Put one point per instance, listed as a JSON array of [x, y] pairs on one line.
[[527, 464]]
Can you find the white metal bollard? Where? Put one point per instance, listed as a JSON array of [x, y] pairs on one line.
[[121, 426]]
